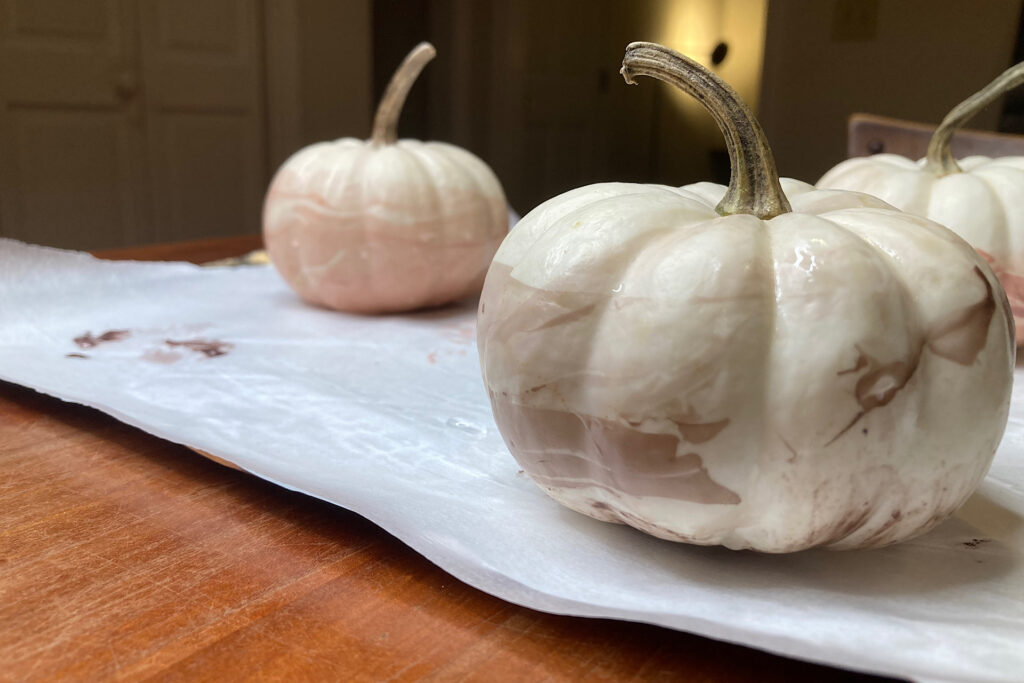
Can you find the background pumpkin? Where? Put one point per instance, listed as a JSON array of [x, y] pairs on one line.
[[714, 366], [979, 198], [384, 225]]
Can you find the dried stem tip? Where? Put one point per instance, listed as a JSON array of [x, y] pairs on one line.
[[753, 181], [385, 122]]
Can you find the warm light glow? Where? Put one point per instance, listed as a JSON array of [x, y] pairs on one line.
[[692, 27], [695, 27]]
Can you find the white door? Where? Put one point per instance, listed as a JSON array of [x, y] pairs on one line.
[[125, 122]]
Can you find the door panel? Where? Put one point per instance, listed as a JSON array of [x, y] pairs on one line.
[[130, 121], [54, 54], [207, 184], [63, 19], [70, 146], [202, 65], [202, 26], [73, 178]]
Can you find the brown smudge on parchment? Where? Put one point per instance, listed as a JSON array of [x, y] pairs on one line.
[[161, 357], [210, 349], [562, 449], [959, 338], [88, 341], [75, 355], [463, 333]]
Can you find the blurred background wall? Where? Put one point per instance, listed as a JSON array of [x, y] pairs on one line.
[[909, 59], [136, 121]]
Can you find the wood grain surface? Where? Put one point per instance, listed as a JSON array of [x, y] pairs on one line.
[[199, 251], [123, 556]]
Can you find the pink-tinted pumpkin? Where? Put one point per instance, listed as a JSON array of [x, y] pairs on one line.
[[384, 225]]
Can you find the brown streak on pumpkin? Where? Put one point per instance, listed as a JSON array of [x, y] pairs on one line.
[[792, 451], [859, 365], [879, 386], [566, 318], [846, 428], [692, 483], [562, 449], [960, 338], [879, 533], [850, 523], [963, 335], [701, 433], [161, 357], [647, 526]]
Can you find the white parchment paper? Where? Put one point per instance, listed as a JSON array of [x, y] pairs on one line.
[[387, 416]]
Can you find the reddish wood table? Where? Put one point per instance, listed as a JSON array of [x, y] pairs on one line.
[[126, 556]]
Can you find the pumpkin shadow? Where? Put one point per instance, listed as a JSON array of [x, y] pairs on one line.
[[444, 311], [289, 301]]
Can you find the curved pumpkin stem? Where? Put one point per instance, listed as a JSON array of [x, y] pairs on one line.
[[385, 121], [753, 181], [939, 159]]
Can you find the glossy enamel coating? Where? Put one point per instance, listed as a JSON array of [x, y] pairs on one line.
[[983, 202], [838, 375]]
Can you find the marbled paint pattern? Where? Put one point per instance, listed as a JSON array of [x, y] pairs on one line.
[[836, 376], [383, 228]]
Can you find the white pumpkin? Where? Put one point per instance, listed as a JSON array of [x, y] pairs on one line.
[[384, 225], [735, 370], [979, 198]]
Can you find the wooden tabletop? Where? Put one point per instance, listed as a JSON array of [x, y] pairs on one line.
[[124, 556]]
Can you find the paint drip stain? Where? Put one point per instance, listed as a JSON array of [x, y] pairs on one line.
[[88, 341], [959, 338], [210, 349]]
